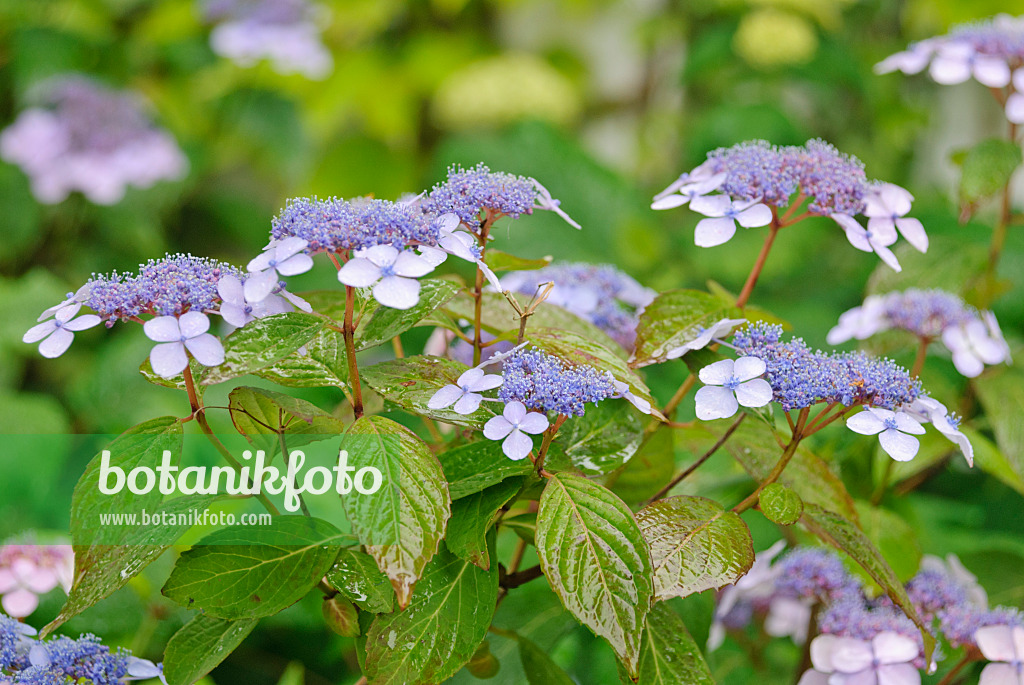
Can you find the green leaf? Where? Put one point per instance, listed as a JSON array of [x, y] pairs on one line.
[[411, 382], [894, 538], [440, 630], [503, 261], [479, 465], [498, 317], [675, 318], [596, 560], [251, 572], [695, 545], [176, 382], [538, 666], [473, 517], [987, 167], [844, 535], [385, 322], [523, 525], [578, 350], [754, 446], [107, 557], [260, 343], [949, 264], [780, 504], [325, 364], [356, 576], [200, 645], [668, 655], [401, 524], [992, 461], [1002, 395], [645, 473], [600, 441], [262, 416], [341, 616]]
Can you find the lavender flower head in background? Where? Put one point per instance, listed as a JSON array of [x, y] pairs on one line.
[[974, 338], [602, 295], [82, 136], [991, 52], [284, 32], [749, 183]]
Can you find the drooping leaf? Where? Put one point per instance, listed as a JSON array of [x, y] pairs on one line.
[[479, 465], [356, 576], [893, 537], [200, 645], [600, 441], [844, 535], [440, 630], [262, 342], [596, 560], [669, 656], [538, 666], [675, 318], [991, 460], [503, 261], [411, 382], [472, 518], [578, 350], [108, 556], [263, 416], [695, 545], [1002, 396], [401, 524], [250, 572]]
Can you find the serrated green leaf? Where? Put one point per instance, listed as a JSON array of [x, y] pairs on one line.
[[844, 535], [675, 318], [538, 666], [780, 504], [987, 167], [263, 416], [401, 524], [440, 630], [578, 350], [695, 545], [107, 557], [597, 443], [503, 261], [356, 576], [479, 465], [324, 364], [260, 343], [669, 656], [200, 645], [251, 572], [472, 518], [596, 560], [384, 323], [411, 382]]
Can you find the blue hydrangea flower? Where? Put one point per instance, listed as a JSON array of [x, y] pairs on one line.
[[465, 393], [895, 431], [178, 337], [392, 274], [729, 384], [514, 427], [284, 257]]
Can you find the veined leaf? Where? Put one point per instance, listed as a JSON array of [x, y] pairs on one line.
[[479, 465], [595, 557], [597, 443], [669, 656], [260, 343], [324, 364], [472, 518], [675, 318], [200, 645], [262, 416], [356, 576]]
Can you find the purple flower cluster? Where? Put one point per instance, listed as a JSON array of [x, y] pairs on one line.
[[468, 193], [335, 225], [544, 382], [163, 287], [991, 52], [814, 573], [756, 170], [92, 139], [603, 295], [285, 32], [801, 377]]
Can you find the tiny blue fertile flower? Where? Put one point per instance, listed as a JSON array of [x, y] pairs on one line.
[[469, 192], [546, 383], [812, 572]]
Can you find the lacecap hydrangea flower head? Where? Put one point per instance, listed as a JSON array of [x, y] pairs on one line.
[[752, 184], [284, 32], [990, 52], [85, 137]]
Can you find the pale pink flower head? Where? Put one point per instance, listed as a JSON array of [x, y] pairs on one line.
[[28, 571]]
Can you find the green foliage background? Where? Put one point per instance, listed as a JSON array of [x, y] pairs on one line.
[[603, 102]]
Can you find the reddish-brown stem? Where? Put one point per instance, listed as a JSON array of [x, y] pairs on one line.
[[748, 287], [922, 352], [682, 392], [478, 289], [779, 467], [549, 435], [348, 332], [949, 677], [697, 464]]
